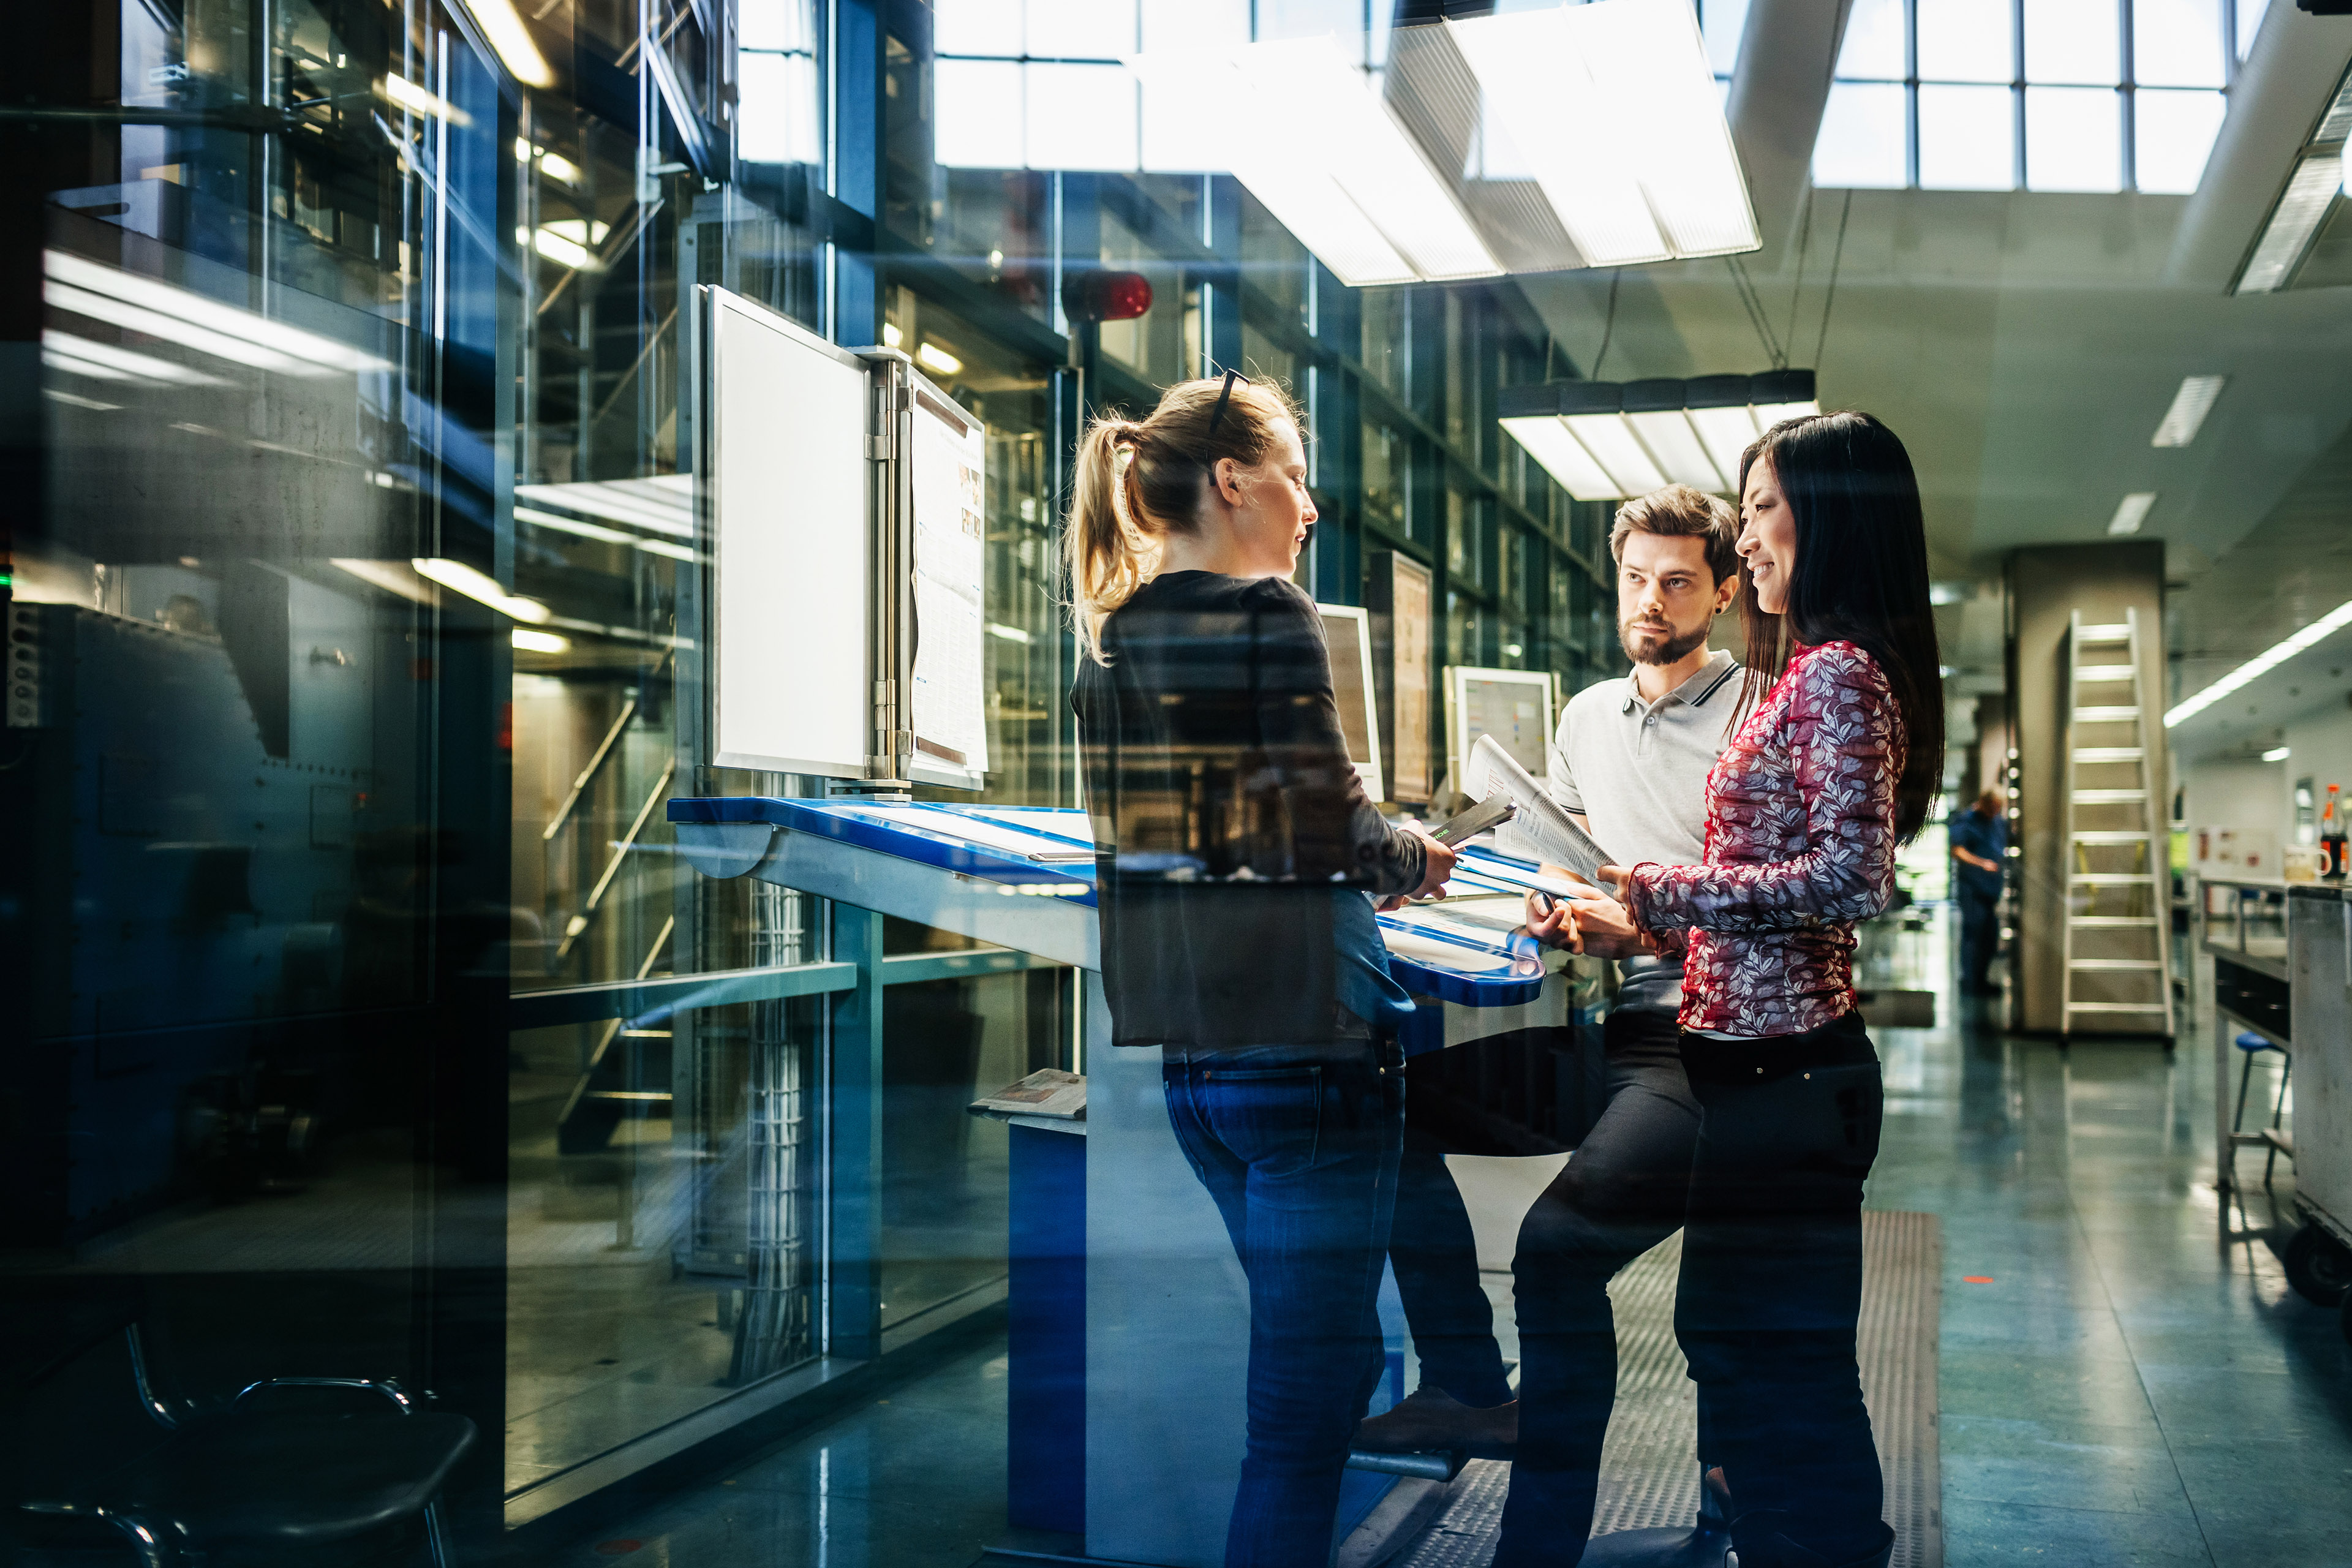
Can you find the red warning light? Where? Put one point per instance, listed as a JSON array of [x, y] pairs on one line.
[[1099, 294], [1976, 1278]]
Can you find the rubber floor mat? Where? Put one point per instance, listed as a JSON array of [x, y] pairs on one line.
[[1648, 1475]]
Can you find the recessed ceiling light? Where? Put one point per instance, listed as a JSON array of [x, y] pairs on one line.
[[930, 356], [2310, 191], [2277, 754], [2131, 512], [2189, 405]]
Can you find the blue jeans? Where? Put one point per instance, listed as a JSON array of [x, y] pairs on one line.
[[1298, 1147]]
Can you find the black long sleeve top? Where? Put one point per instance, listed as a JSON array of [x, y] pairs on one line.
[[1225, 814]]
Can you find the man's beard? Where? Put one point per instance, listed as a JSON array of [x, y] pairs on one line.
[[1674, 647]]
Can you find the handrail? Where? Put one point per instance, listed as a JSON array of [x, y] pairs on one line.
[[579, 923]]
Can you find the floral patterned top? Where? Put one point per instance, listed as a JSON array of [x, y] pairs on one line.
[[1800, 839]]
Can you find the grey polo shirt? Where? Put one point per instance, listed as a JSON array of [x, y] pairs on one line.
[[1637, 771]]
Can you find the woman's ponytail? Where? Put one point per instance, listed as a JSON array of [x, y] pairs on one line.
[[1105, 552]]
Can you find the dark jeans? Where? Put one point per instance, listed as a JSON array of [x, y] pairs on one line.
[[1979, 936], [1299, 1146], [1771, 1281], [1624, 1191]]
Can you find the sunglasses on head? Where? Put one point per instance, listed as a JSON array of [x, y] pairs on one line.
[[1224, 397]]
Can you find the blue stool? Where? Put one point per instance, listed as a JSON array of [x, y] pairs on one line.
[[2253, 1045]]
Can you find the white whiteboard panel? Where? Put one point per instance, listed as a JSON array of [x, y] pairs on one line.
[[787, 495], [950, 456]]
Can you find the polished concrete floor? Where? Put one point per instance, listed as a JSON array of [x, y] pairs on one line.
[[2125, 1377]]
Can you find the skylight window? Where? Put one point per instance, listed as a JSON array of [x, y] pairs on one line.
[[2086, 95]]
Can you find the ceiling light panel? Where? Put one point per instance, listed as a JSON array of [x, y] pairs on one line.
[[1562, 456], [113, 363], [2195, 399], [1534, 79], [1263, 150], [2131, 512], [1612, 443], [1648, 64], [1681, 455], [1728, 433], [314, 354], [1349, 135]]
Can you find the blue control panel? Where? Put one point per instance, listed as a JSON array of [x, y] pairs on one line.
[[1467, 949]]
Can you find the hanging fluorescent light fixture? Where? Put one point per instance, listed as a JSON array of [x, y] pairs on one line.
[[1616, 109], [1304, 130], [2261, 664], [1603, 441]]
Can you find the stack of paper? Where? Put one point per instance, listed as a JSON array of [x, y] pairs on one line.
[[1493, 770]]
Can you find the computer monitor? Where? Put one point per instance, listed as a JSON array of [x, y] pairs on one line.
[[1347, 632], [1515, 706]]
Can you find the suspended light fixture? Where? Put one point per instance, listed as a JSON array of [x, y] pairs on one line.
[[1602, 440], [1616, 110], [1305, 131]]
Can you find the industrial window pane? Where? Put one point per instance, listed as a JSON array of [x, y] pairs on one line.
[[1861, 143], [2175, 133], [778, 112], [2249, 22], [1965, 40], [1341, 20], [1874, 49], [2073, 41], [976, 113], [774, 24], [1081, 117], [977, 28], [2074, 139], [1082, 29], [1176, 139], [1968, 138], [1720, 22], [2177, 43], [1194, 24]]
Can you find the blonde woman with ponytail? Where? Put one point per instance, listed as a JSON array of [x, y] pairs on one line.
[[1239, 860]]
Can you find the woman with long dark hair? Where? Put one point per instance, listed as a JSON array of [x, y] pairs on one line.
[[1828, 775]]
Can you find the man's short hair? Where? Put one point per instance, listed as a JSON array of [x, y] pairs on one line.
[[1679, 511]]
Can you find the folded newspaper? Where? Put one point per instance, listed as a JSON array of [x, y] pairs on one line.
[[1493, 770], [1049, 1091]]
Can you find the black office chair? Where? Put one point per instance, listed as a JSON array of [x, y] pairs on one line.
[[245, 1473]]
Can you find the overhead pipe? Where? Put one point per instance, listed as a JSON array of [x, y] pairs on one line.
[[1780, 86]]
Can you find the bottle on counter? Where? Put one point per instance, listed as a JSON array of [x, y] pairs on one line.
[[2332, 835]]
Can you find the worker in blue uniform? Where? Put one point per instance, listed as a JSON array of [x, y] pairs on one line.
[[1979, 837]]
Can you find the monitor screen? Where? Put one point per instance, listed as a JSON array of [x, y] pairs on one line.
[[1515, 706], [1347, 632]]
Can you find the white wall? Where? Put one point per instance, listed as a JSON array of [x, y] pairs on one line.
[[2233, 814], [2321, 750]]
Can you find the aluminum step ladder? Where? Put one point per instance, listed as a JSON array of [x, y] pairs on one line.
[[2116, 908]]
